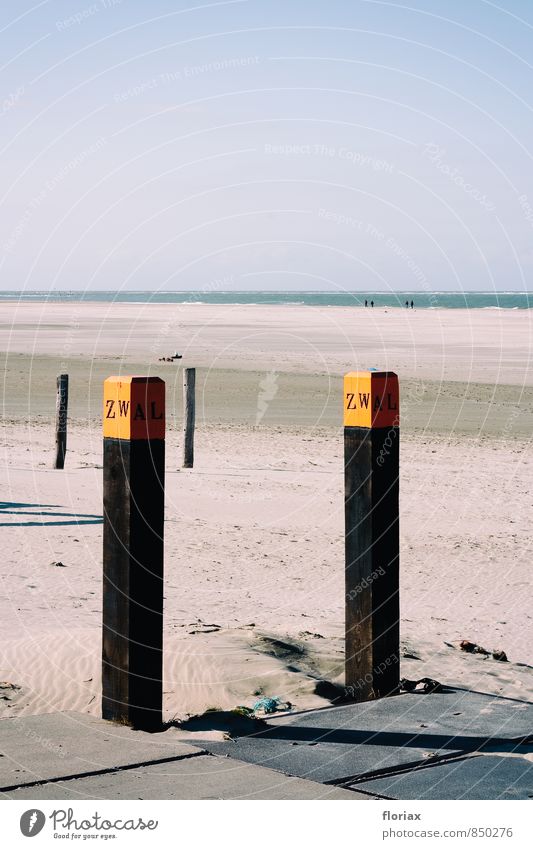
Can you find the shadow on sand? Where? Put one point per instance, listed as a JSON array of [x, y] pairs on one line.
[[41, 512]]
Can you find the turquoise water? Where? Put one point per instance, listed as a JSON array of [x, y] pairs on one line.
[[422, 300]]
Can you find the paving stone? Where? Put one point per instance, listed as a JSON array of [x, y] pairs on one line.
[[479, 777], [361, 739], [203, 777], [33, 748]]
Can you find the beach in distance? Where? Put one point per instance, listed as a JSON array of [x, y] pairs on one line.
[[254, 533]]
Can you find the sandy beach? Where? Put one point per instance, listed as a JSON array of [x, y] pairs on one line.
[[254, 543]]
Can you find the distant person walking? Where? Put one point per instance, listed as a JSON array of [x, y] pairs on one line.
[[412, 305], [372, 304], [407, 304], [366, 303]]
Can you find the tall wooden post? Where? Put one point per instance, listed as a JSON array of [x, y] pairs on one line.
[[61, 420], [189, 384], [371, 458], [134, 467]]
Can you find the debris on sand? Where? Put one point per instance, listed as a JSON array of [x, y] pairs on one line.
[[500, 655], [429, 685], [206, 629], [409, 653], [6, 688], [58, 563], [175, 356], [472, 648], [271, 705]]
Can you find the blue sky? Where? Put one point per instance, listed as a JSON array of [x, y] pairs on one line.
[[265, 145]]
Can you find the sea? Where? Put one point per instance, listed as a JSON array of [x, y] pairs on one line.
[[392, 300]]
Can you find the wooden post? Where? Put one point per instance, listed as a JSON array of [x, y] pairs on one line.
[[61, 420], [371, 457], [134, 467], [189, 383]]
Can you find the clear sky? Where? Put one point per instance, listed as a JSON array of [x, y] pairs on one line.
[[257, 144]]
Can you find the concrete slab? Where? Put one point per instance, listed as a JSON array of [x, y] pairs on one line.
[[456, 719], [367, 739], [203, 777], [478, 777], [393, 748], [37, 748], [319, 761]]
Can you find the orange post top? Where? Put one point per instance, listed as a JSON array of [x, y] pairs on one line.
[[134, 408], [371, 399]]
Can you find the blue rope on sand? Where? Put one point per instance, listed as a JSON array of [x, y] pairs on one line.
[[267, 705]]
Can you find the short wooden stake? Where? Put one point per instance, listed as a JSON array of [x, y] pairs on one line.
[[189, 384], [61, 420], [371, 457], [134, 467]]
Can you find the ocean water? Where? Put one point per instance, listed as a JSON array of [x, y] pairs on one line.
[[392, 300]]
